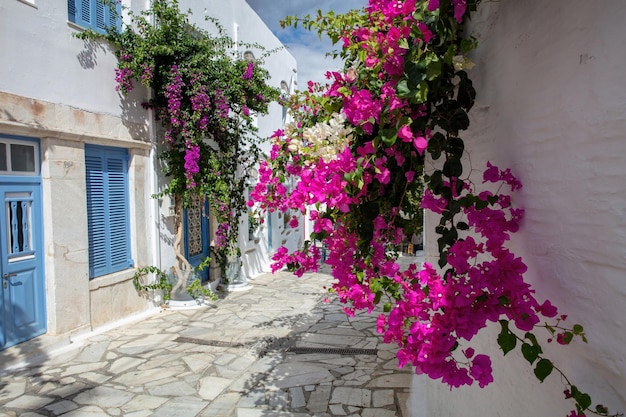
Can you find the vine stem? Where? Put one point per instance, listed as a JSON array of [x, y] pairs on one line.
[[568, 384]]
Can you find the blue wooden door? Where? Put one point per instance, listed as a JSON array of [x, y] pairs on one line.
[[22, 293], [197, 235]]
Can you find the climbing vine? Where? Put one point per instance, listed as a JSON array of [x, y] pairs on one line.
[[206, 96], [357, 152]]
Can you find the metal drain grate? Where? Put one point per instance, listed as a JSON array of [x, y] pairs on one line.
[[216, 343], [333, 351]]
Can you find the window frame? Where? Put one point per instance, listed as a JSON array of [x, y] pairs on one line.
[[108, 210], [9, 140], [77, 9]]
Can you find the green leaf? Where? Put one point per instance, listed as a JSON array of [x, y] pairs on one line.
[[533, 340], [531, 353], [403, 89], [453, 167], [389, 136], [462, 226], [433, 70], [584, 401], [578, 329], [455, 146], [543, 369], [506, 339], [421, 93]]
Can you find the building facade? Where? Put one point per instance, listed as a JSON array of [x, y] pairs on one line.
[[78, 168]]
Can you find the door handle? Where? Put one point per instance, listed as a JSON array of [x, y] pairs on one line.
[[7, 276]]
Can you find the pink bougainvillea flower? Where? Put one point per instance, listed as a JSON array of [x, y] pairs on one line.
[[459, 9], [547, 309], [426, 32], [405, 133], [420, 144], [481, 370], [433, 5], [293, 222]]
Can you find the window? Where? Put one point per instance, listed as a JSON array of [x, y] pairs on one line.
[[107, 210], [18, 157], [95, 14]]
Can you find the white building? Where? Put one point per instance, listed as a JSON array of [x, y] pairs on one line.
[[551, 105], [69, 146]]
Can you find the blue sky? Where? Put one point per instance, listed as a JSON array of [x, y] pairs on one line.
[[305, 46]]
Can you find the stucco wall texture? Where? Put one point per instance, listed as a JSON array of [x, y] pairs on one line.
[[551, 105]]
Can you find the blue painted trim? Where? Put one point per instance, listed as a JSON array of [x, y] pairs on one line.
[[108, 213]]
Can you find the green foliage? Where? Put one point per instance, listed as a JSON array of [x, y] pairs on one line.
[[206, 97], [144, 286], [197, 291]]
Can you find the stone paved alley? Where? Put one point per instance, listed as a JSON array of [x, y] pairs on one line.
[[276, 349]]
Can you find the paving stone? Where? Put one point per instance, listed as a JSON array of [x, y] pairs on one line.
[[61, 407], [211, 387], [83, 368], [403, 402], [337, 410], [180, 407], [382, 398], [297, 374], [145, 413], [124, 364], [394, 380], [278, 400], [138, 378], [252, 399], [378, 412], [104, 397], [29, 402], [89, 411], [12, 390], [249, 412], [65, 391], [351, 396], [318, 401], [143, 402], [198, 362], [94, 352], [224, 405], [175, 388], [297, 397], [95, 378]]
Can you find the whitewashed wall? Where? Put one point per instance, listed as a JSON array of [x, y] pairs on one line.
[[552, 106]]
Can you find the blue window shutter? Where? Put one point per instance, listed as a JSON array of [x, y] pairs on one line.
[[95, 14], [71, 10], [107, 210], [84, 12], [100, 22]]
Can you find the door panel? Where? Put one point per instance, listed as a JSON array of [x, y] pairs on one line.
[[23, 288], [197, 235]]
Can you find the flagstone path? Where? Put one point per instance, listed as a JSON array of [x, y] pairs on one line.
[[274, 350]]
